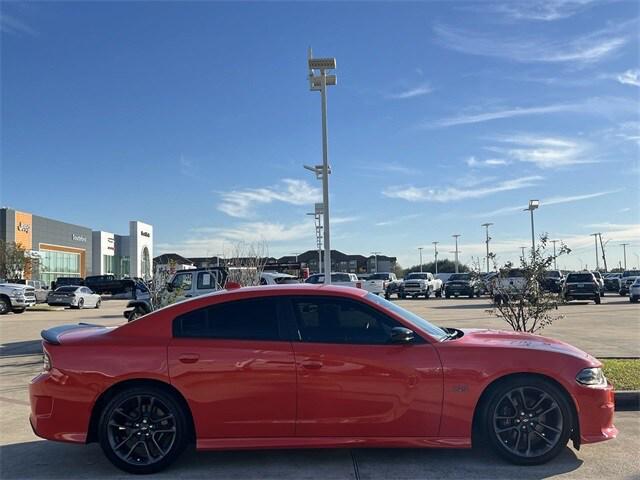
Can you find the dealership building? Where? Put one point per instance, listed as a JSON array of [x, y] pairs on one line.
[[68, 250]]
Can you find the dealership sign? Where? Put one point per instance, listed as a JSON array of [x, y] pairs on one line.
[[24, 227], [78, 238], [145, 234]]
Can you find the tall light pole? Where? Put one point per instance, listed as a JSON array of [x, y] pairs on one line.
[[420, 250], [456, 250], [486, 226], [435, 252], [375, 254], [555, 264], [319, 83], [595, 238], [624, 250], [522, 250], [533, 204]]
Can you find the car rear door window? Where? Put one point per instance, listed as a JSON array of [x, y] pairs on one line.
[[207, 280], [251, 319], [333, 320]]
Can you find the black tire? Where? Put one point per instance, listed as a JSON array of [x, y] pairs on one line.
[[597, 300], [633, 299], [427, 294], [471, 295], [173, 438], [80, 304], [18, 310], [5, 306], [446, 295], [504, 418], [497, 300], [98, 303], [439, 293]]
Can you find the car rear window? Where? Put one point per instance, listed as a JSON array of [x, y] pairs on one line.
[[460, 276], [580, 277], [66, 289], [379, 276], [252, 319]]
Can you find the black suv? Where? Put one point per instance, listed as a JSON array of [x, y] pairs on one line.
[[461, 284], [581, 286]]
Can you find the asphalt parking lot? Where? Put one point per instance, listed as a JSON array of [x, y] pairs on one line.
[[610, 329]]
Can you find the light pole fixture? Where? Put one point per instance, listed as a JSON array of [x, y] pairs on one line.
[[375, 254], [420, 250], [456, 252], [533, 204], [435, 252], [624, 250], [595, 239], [522, 250], [486, 226], [318, 81], [555, 264], [317, 216]]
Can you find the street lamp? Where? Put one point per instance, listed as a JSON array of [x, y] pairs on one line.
[[435, 252], [420, 250], [487, 225], [555, 264], [319, 82], [624, 249], [533, 204], [456, 251], [317, 215]]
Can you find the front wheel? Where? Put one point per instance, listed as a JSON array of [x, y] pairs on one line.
[[98, 303], [18, 310], [4, 306], [528, 421], [597, 300], [143, 430]]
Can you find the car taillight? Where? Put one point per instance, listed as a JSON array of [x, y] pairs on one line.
[[358, 284]]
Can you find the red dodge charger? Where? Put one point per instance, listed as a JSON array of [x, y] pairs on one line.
[[311, 366]]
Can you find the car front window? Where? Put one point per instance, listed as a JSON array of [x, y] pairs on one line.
[[433, 330]]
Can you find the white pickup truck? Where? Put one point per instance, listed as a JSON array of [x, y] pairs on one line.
[[508, 284], [378, 282], [15, 297], [421, 284], [341, 279]]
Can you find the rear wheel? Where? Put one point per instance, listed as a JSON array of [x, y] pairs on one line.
[[18, 310], [528, 421], [80, 303], [143, 430], [98, 303], [597, 300]]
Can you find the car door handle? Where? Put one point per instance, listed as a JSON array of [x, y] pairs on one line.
[[312, 364], [189, 358]]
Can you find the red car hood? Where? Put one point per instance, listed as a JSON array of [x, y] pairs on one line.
[[520, 340]]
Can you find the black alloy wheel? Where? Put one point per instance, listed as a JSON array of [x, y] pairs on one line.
[[4, 306], [142, 430], [528, 421]]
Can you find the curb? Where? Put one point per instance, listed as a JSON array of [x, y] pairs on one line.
[[627, 400]]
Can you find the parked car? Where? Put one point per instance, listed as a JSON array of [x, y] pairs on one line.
[[634, 291], [108, 284], [394, 288], [600, 280], [418, 284], [552, 281], [581, 286], [74, 297], [628, 277], [277, 278], [198, 281], [462, 284], [486, 283], [66, 281], [377, 282], [508, 284], [40, 289], [337, 278], [612, 282], [311, 366], [15, 297]]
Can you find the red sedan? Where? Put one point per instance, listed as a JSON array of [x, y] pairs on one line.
[[311, 366]]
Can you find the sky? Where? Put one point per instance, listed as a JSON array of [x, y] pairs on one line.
[[197, 118]]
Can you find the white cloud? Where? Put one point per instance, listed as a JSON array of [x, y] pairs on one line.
[[473, 162], [545, 203], [545, 152], [605, 106], [392, 167], [240, 203], [13, 26], [541, 10], [417, 91], [449, 194], [630, 77], [584, 49], [397, 220]]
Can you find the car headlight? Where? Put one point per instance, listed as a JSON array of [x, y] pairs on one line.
[[46, 362], [591, 377]]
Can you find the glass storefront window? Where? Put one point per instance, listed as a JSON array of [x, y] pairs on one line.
[[54, 264]]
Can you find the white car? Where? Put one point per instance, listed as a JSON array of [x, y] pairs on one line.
[[74, 297], [377, 283], [277, 278], [15, 297], [634, 291], [342, 279]]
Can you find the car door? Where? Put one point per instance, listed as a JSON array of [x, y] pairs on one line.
[[87, 296], [234, 363], [352, 381], [182, 283]]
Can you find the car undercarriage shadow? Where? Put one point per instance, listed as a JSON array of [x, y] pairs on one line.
[[45, 460], [27, 347]]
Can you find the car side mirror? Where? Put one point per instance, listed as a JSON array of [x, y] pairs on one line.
[[401, 335]]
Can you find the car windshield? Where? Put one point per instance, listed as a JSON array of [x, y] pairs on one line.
[[379, 276], [579, 277], [421, 276], [66, 289], [460, 276], [631, 273], [410, 317], [553, 274]]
